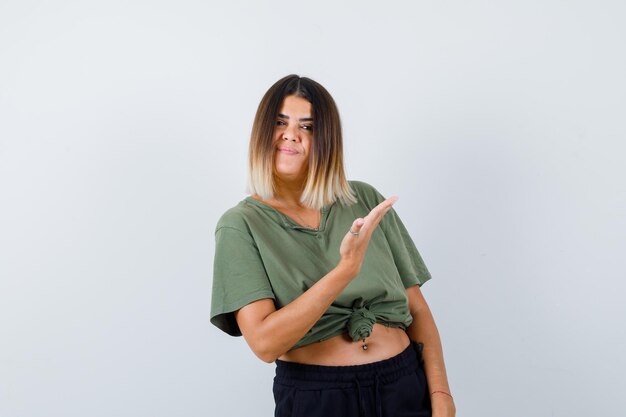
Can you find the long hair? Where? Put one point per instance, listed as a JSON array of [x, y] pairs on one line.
[[326, 179]]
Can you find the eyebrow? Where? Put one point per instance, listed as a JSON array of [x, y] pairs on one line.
[[304, 119]]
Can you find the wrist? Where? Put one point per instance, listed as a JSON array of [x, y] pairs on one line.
[[347, 268], [442, 404], [443, 393]]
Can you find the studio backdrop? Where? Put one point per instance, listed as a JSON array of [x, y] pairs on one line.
[[124, 129]]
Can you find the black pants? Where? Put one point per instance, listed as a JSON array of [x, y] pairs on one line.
[[394, 387]]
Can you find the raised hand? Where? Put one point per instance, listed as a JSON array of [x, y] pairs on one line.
[[354, 244]]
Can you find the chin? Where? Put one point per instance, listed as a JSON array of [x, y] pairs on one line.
[[290, 175], [289, 169]]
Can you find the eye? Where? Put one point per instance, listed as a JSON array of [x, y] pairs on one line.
[[307, 127], [280, 123]]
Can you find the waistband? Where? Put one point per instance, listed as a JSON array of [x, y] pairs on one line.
[[292, 373]]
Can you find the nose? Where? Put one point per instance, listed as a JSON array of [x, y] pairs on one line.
[[291, 134]]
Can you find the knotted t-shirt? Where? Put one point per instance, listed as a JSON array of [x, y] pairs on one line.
[[262, 253]]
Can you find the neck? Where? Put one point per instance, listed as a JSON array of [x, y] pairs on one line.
[[289, 192]]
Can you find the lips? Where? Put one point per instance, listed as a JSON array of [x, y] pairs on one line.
[[287, 151]]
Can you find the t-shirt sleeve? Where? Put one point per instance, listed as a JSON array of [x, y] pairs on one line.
[[239, 277], [407, 258]]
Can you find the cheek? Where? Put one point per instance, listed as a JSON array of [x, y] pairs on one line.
[[308, 144]]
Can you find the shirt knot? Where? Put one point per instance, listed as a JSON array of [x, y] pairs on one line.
[[360, 324]]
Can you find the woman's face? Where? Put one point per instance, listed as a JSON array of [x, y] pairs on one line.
[[293, 136]]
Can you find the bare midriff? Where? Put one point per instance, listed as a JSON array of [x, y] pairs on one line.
[[383, 343]]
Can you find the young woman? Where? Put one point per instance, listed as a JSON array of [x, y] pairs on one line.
[[320, 275]]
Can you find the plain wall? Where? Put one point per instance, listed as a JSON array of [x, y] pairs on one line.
[[124, 128]]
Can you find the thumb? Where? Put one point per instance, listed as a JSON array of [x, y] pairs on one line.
[[357, 225]]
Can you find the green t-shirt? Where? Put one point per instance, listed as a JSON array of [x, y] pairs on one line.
[[261, 253]]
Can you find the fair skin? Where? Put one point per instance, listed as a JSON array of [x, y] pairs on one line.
[[271, 333]]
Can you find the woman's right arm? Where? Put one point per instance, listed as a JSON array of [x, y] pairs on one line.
[[270, 332]]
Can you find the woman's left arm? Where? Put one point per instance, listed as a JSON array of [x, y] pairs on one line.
[[424, 330]]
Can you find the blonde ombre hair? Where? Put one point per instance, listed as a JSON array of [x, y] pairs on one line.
[[326, 180]]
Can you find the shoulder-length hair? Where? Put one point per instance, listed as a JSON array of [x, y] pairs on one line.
[[326, 180]]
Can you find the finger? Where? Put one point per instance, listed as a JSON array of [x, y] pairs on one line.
[[356, 226], [388, 203], [385, 205], [380, 210], [376, 215]]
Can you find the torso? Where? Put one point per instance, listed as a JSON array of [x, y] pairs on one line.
[[383, 343]]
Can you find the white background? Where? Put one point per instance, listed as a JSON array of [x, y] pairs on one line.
[[124, 128]]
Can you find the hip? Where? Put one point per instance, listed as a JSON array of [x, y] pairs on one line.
[[394, 386]]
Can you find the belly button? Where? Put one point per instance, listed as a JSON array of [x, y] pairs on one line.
[[364, 346]]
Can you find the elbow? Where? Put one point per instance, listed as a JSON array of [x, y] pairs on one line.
[[266, 350], [266, 357]]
